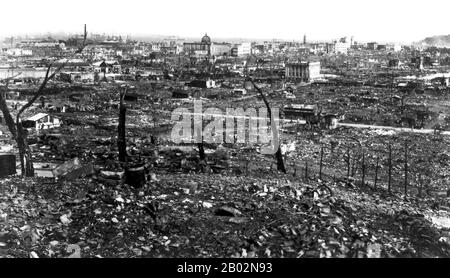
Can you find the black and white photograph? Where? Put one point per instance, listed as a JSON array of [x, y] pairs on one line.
[[240, 130]]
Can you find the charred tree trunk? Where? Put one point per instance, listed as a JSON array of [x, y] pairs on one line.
[[406, 168], [363, 169], [121, 139], [280, 161], [18, 132], [20, 136], [390, 168], [353, 166], [278, 154], [9, 120], [376, 174], [321, 160], [348, 163], [201, 151], [26, 159]]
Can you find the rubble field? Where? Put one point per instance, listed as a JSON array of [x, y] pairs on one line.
[[214, 215], [233, 204]]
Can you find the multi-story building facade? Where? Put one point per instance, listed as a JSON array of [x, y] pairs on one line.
[[302, 71]]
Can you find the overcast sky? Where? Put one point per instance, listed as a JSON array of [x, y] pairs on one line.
[[379, 20]]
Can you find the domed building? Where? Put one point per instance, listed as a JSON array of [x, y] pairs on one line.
[[200, 48], [206, 48], [206, 39]]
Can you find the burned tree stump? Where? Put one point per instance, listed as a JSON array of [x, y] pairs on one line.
[[135, 176], [201, 151], [7, 165]]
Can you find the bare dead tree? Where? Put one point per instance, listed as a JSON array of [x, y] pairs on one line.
[[16, 128], [376, 173], [278, 154]]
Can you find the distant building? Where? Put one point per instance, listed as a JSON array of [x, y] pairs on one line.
[[330, 47], [25, 73], [42, 121], [330, 121], [107, 67], [242, 49], [317, 47], [19, 52], [180, 94], [242, 91], [300, 111], [394, 63], [303, 51], [258, 49], [220, 49], [342, 46], [418, 62], [172, 49], [205, 84], [204, 46], [85, 77], [156, 47], [372, 46], [302, 71], [381, 47], [394, 47]]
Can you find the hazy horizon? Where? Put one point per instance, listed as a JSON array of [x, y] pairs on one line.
[[382, 21]]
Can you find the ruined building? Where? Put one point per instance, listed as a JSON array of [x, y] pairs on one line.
[[302, 71]]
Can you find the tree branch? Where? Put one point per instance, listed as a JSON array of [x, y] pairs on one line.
[[48, 77]]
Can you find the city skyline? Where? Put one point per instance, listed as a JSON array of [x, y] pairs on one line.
[[385, 21]]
